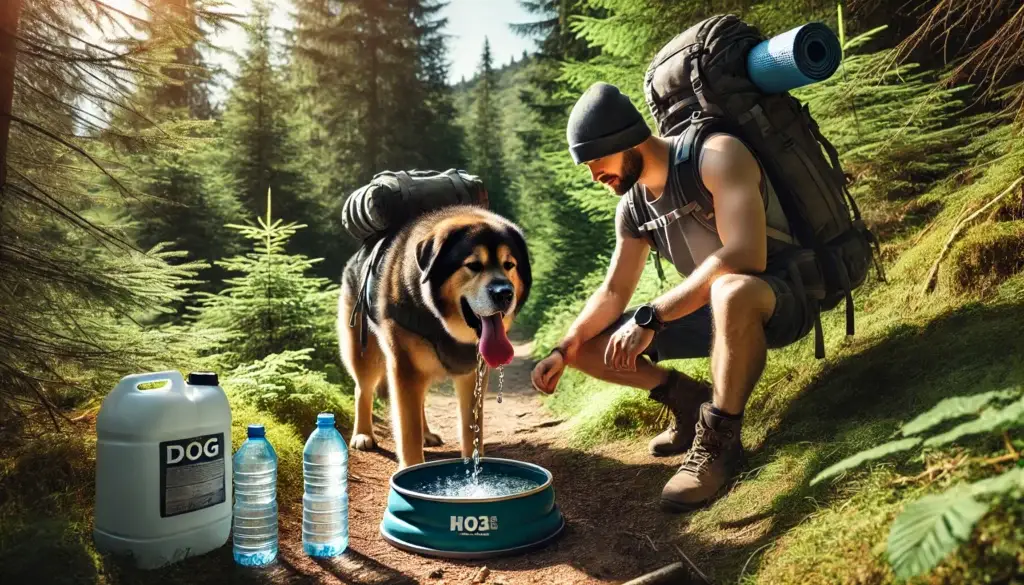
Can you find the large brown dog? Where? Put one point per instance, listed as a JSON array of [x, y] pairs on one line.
[[450, 285]]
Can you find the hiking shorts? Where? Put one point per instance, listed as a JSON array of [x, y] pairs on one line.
[[691, 336]]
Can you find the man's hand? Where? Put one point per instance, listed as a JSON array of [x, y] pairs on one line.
[[625, 345], [548, 372]]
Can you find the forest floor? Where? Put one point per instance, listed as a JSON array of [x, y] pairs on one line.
[[609, 498], [608, 495]]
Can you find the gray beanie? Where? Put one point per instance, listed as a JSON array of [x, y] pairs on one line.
[[603, 122]]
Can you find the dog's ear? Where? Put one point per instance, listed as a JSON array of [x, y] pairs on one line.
[[427, 251], [522, 256], [432, 251]]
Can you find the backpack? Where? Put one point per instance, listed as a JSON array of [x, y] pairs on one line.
[[375, 212], [696, 85], [392, 198]]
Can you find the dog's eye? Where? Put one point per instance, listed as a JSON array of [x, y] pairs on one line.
[[509, 266], [475, 266]]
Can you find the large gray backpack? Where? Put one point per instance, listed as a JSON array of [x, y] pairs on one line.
[[696, 85], [392, 198]]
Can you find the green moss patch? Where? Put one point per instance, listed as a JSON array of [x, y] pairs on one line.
[[988, 255]]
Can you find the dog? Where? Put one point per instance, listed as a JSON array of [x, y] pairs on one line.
[[449, 285]]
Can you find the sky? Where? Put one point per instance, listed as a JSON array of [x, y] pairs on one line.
[[470, 21]]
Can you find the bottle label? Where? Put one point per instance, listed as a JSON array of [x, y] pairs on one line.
[[192, 474]]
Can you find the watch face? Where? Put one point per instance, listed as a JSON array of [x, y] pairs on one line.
[[644, 316]]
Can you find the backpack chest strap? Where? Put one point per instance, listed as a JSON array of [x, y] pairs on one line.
[[664, 220]]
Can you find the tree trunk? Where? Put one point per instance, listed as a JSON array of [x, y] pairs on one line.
[[10, 10]]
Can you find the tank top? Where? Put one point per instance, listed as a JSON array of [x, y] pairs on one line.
[[686, 242]]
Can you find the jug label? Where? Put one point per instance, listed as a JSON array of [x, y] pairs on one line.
[[192, 474]]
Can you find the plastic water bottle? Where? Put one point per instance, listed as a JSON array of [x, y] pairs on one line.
[[325, 495], [254, 528]]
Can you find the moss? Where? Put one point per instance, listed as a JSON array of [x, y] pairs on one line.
[[987, 255]]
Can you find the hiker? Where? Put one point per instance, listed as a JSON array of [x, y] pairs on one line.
[[732, 304]]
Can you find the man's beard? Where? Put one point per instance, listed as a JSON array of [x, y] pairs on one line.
[[632, 168]]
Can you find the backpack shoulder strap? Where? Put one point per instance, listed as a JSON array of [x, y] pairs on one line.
[[634, 206], [692, 197]]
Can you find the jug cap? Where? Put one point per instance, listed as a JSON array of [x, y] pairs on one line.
[[202, 378], [325, 419], [256, 432]]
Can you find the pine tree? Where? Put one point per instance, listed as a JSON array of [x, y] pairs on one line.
[[488, 155], [274, 306], [74, 288], [381, 85]]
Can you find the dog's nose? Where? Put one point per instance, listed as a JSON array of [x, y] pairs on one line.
[[501, 293]]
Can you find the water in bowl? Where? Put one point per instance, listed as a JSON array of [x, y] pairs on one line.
[[485, 484]]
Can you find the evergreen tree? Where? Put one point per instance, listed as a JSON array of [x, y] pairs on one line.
[[488, 155], [260, 145], [381, 85], [74, 288], [274, 306], [186, 84], [257, 135]]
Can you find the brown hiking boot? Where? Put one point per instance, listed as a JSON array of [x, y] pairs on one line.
[[715, 458], [682, 398]]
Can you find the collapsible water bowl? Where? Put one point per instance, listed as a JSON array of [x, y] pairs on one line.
[[474, 523]]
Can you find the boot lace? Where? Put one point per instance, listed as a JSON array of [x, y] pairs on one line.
[[703, 453]]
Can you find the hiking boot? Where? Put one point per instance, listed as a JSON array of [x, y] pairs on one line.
[[682, 397], [715, 458]]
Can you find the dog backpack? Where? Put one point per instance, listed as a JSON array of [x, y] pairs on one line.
[[392, 198], [696, 85]]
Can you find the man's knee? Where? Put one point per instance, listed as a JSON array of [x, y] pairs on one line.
[[740, 296]]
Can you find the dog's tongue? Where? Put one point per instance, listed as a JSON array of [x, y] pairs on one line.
[[494, 344]]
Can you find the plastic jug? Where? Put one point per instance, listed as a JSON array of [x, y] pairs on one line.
[[163, 468]]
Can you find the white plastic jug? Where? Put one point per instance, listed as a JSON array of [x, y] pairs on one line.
[[163, 469]]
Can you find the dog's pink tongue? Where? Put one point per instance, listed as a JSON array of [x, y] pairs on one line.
[[494, 344]]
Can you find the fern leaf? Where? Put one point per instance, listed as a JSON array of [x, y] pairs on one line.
[[930, 528], [868, 455], [991, 420], [954, 407], [1000, 484]]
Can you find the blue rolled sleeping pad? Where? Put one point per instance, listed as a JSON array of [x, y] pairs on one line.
[[804, 55]]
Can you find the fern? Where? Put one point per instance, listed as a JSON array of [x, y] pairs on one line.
[[930, 528], [869, 455], [954, 407], [991, 420]]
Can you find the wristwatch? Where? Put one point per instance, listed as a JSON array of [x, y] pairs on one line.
[[647, 318]]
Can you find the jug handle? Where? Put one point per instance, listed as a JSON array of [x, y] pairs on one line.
[[131, 383]]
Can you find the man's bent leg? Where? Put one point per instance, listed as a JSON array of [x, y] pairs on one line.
[[677, 392], [742, 306], [590, 361]]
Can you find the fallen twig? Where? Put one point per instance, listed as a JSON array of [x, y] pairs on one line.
[[959, 227], [692, 566]]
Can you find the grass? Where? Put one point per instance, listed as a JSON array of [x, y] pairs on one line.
[[910, 351]]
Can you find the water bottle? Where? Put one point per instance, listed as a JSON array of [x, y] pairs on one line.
[[325, 493], [254, 527]]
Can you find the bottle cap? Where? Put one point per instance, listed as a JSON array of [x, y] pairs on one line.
[[325, 419], [202, 378], [256, 431]]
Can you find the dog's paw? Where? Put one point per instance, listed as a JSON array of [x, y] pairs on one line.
[[362, 442], [432, 440]]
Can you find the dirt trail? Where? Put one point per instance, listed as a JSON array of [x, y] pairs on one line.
[[614, 532]]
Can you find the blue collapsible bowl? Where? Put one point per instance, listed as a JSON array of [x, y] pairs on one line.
[[470, 528]]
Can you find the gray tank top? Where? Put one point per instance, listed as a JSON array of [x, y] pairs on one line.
[[685, 242]]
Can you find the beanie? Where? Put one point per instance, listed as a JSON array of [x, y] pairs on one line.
[[602, 122]]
